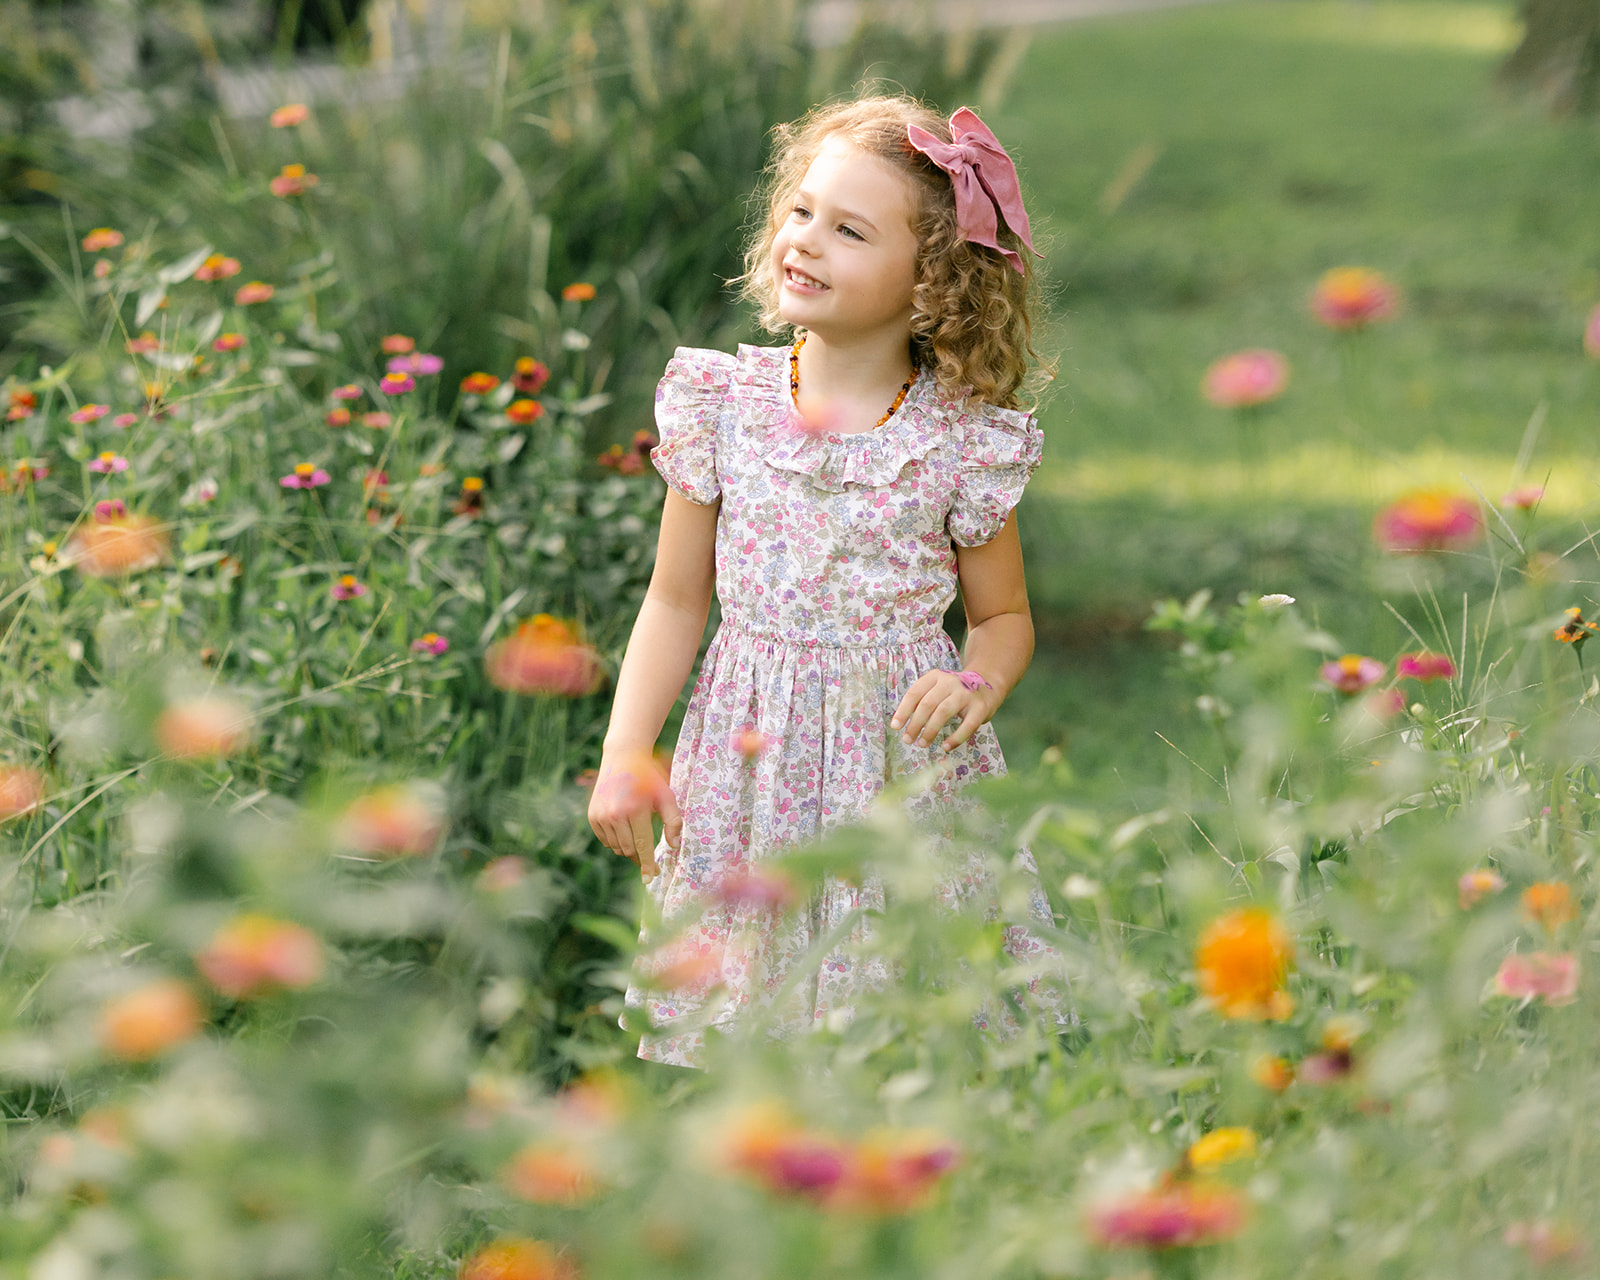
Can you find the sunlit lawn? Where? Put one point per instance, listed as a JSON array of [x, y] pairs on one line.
[[1196, 170]]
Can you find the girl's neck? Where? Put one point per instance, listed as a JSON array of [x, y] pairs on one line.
[[857, 371]]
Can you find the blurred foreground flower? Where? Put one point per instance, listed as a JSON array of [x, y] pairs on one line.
[[1352, 673], [1538, 975], [112, 547], [108, 463], [580, 291], [227, 342], [305, 476], [346, 587], [255, 291], [552, 1172], [289, 115], [349, 391], [397, 384], [22, 403], [1221, 1146], [1549, 905], [102, 238], [338, 417], [217, 267], [765, 888], [1337, 1057], [145, 344], [544, 656], [1477, 885], [394, 822], [292, 180], [894, 1170], [89, 413], [1243, 959], [417, 362], [1524, 499], [524, 412], [397, 344], [21, 790], [517, 1259], [255, 954], [1246, 378], [146, 1022], [1545, 1242], [204, 728], [479, 384], [1272, 1072], [1428, 520], [1424, 666], [1591, 333], [430, 642], [529, 376], [1176, 1216], [1353, 297]]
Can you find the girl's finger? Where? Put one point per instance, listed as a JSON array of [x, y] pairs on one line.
[[671, 820], [914, 694], [949, 708], [644, 843], [968, 726]]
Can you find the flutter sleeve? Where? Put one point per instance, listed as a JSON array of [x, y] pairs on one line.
[[690, 402], [999, 451]]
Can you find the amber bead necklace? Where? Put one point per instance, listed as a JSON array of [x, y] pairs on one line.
[[794, 384]]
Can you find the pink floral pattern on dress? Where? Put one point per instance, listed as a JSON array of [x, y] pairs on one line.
[[835, 563]]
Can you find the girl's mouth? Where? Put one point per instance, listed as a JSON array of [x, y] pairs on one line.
[[801, 281]]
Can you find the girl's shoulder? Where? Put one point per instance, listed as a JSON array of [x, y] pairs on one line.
[[749, 373]]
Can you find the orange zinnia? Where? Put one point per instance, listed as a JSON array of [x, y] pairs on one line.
[[517, 1259], [1549, 904], [150, 1020], [1242, 959]]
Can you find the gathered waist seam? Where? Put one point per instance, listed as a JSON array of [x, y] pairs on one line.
[[746, 629]]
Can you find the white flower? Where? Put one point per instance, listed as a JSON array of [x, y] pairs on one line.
[[574, 340], [1276, 601]]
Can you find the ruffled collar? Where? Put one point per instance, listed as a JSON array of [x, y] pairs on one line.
[[872, 459]]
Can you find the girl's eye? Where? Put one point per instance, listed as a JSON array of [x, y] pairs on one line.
[[800, 211], [851, 232]]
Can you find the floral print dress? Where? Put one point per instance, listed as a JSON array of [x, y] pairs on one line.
[[835, 563]]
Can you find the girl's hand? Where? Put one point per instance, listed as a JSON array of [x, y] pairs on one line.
[[628, 790], [934, 699]]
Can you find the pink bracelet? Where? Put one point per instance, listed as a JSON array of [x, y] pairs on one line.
[[972, 680]]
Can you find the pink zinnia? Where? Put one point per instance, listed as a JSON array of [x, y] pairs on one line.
[[339, 417], [102, 238], [217, 267], [1538, 975], [347, 588], [377, 421], [1353, 297], [1353, 673], [1177, 1216], [89, 413], [305, 476], [110, 509], [255, 291], [1524, 499], [253, 954], [124, 419], [228, 342], [350, 391], [418, 362], [1246, 378], [395, 384], [1428, 520], [395, 343], [431, 642], [1476, 885], [1591, 333], [289, 115], [1425, 666], [106, 463]]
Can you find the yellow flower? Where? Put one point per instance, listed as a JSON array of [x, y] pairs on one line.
[[1242, 960], [1221, 1146]]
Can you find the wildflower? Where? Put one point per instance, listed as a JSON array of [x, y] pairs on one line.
[[228, 342], [894, 1170], [1243, 958], [1549, 905], [1427, 520], [1591, 333], [544, 656], [199, 493], [217, 266], [397, 343], [479, 384], [24, 404], [1170, 1217], [517, 1259], [503, 873], [145, 344], [109, 509], [338, 417], [1352, 298], [1221, 1146], [578, 292], [1538, 975], [1525, 498], [1545, 1242], [350, 391], [1424, 666], [119, 545], [254, 954], [21, 790], [255, 291], [101, 238], [1352, 673], [524, 412], [28, 471], [551, 1172], [623, 463], [347, 588], [763, 888], [89, 413], [102, 268], [429, 469], [396, 384], [529, 375], [289, 115], [1575, 631], [1384, 704], [292, 180], [393, 822], [430, 642], [418, 362], [1272, 1072], [148, 1021], [305, 476], [207, 727], [124, 420], [470, 501], [1477, 885], [1337, 1058], [108, 463], [1246, 378], [749, 742]]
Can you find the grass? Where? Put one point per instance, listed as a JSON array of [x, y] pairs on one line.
[[1195, 171]]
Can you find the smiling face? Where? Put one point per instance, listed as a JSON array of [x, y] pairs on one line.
[[843, 260]]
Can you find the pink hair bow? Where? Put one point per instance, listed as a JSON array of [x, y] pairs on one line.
[[984, 179]]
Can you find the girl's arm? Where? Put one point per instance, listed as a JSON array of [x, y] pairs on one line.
[[660, 654], [999, 645]]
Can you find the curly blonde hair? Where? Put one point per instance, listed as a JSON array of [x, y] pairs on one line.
[[972, 311]]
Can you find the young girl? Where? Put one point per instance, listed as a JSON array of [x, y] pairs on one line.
[[833, 492]]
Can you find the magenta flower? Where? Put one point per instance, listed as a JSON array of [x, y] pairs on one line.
[[124, 419], [432, 642], [1538, 975], [350, 391], [1428, 520], [1425, 666], [763, 888], [347, 588], [1524, 499], [1353, 673], [395, 384], [749, 742], [418, 362], [106, 463], [110, 509], [1172, 1217], [1246, 378], [305, 476], [89, 413], [1591, 333], [1353, 297]]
